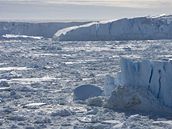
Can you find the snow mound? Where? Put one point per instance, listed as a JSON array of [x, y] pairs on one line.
[[140, 28]]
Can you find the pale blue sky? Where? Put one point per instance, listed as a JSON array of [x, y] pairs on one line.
[[57, 10]]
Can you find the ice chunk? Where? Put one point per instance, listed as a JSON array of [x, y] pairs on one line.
[[84, 92], [95, 101], [16, 118], [141, 28], [34, 105]]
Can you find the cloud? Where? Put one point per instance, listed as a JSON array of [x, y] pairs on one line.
[[81, 9], [114, 3]]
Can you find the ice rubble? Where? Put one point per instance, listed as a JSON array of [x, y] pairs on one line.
[[140, 28], [144, 85]]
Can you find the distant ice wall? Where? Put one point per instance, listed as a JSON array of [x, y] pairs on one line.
[[141, 28], [155, 76], [46, 30]]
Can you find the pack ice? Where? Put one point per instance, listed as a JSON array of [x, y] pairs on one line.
[[154, 76], [140, 28]]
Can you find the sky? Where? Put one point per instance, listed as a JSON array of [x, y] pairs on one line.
[[80, 10]]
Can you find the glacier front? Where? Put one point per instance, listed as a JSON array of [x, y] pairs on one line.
[[141, 28]]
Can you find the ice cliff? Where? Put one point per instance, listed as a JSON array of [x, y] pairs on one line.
[[155, 76], [46, 30], [140, 28]]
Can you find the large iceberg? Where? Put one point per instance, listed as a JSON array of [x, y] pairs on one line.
[[140, 28], [46, 30], [155, 76]]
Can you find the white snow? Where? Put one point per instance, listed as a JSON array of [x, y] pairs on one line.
[[124, 29]]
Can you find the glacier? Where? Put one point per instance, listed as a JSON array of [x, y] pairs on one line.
[[140, 28], [153, 75]]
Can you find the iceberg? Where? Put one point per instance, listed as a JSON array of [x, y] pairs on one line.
[[153, 75], [141, 28], [35, 29]]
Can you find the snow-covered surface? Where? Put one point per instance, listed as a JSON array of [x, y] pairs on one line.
[[141, 28], [41, 94]]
